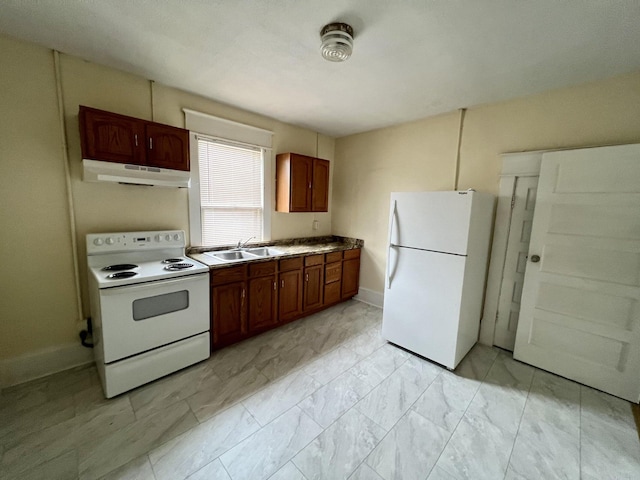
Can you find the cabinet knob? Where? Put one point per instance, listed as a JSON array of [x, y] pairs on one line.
[[135, 136], [307, 277], [150, 143]]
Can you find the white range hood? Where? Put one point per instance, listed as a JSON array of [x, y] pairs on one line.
[[96, 171]]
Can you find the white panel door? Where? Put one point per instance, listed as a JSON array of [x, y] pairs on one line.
[[422, 303], [515, 262], [580, 314], [437, 221]]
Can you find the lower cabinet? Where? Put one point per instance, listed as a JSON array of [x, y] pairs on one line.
[[350, 273], [229, 311], [313, 282], [255, 297], [263, 300], [263, 297], [332, 282], [290, 284]]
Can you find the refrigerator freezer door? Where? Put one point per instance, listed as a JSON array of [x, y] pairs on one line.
[[437, 221], [422, 303]]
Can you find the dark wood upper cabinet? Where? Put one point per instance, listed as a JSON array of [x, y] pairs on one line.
[[167, 147], [112, 137], [320, 186], [302, 183]]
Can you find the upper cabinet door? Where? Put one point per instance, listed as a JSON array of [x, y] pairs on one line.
[[320, 186], [111, 137], [167, 147], [301, 177]]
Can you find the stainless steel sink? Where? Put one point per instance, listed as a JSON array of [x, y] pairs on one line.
[[236, 255], [265, 251], [232, 256]]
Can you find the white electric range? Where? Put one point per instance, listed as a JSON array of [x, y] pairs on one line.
[[149, 307]]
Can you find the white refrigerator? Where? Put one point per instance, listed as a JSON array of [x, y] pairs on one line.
[[437, 258]]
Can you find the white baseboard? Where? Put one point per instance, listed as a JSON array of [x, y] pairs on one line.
[[370, 297], [16, 370]]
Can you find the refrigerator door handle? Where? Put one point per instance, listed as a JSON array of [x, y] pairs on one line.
[[391, 245]]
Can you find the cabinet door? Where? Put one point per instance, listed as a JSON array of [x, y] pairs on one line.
[[313, 287], [332, 293], [290, 296], [301, 177], [262, 303], [320, 186], [167, 147], [350, 277], [228, 313], [111, 137]]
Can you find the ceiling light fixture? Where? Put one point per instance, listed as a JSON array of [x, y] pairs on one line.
[[337, 42]]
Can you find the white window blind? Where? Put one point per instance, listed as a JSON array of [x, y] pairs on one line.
[[231, 192]]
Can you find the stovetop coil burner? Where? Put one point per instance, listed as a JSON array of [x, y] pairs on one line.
[[121, 275], [120, 267], [178, 266], [172, 260]]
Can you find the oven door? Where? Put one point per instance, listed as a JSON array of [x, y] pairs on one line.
[[138, 318]]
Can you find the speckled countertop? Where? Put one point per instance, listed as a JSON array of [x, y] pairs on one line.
[[293, 247]]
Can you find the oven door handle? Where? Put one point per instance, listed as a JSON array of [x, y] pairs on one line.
[[154, 284]]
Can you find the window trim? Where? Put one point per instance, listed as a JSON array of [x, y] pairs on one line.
[[195, 221]]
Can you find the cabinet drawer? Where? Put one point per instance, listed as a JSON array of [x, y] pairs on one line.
[[261, 269], [333, 272], [290, 264], [313, 260], [228, 275], [332, 293], [333, 257], [355, 253]]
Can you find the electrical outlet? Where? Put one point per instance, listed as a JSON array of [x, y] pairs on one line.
[[316, 224]]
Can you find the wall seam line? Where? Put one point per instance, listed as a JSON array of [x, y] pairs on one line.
[[67, 174], [462, 111]]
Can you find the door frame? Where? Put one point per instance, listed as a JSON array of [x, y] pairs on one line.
[[514, 165]]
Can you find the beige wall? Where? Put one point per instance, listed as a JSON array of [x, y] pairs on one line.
[[594, 114], [422, 155], [37, 294], [415, 156], [39, 308]]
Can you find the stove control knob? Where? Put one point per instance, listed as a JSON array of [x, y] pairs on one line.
[[158, 238], [176, 237], [167, 238], [98, 242], [110, 240]]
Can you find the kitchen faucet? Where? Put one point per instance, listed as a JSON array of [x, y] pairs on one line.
[[242, 244]]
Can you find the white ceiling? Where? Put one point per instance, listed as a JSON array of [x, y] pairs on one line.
[[412, 58]]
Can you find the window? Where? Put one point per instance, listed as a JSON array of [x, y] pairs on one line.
[[231, 181], [231, 191]]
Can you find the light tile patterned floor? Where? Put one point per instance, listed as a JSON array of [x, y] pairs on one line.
[[321, 398]]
